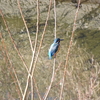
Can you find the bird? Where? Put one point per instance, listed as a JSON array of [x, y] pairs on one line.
[[54, 48]]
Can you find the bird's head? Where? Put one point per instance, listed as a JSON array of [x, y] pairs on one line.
[[57, 40]]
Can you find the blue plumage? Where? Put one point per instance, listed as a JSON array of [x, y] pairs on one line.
[[54, 48]]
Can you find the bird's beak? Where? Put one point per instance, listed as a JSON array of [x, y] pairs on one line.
[[61, 39]]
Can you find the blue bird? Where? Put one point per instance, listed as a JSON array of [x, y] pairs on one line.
[[54, 48]]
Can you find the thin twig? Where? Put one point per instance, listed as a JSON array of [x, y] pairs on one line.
[[32, 93], [25, 25], [52, 79], [36, 38], [55, 19], [15, 78], [19, 54], [33, 52], [67, 57], [37, 89], [30, 69], [42, 37], [53, 71]]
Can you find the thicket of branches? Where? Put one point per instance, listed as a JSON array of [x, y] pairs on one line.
[[69, 79]]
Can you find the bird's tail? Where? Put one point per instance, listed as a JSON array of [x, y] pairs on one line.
[[50, 56]]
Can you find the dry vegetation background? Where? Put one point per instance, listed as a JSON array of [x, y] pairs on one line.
[[26, 73]]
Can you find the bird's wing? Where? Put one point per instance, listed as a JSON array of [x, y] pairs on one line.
[[54, 48]]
